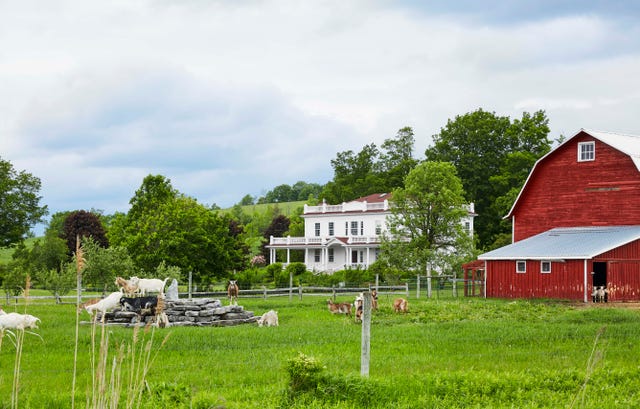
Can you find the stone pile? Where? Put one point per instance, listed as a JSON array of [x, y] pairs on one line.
[[195, 312]]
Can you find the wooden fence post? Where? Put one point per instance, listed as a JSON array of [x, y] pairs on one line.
[[300, 292], [418, 286], [264, 292], [290, 286], [190, 281], [365, 354]]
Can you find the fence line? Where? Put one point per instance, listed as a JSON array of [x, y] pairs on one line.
[[263, 292]]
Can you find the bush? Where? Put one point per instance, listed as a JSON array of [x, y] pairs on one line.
[[308, 380]]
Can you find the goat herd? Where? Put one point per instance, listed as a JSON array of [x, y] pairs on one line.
[[399, 305]]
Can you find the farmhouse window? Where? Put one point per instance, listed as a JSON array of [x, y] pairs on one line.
[[316, 255], [378, 227], [354, 228], [330, 255], [331, 232], [586, 151], [346, 228], [362, 228], [545, 267], [317, 226], [521, 266]]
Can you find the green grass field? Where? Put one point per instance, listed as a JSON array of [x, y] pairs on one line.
[[445, 353]]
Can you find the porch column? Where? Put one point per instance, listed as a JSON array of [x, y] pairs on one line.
[[272, 256], [288, 255]]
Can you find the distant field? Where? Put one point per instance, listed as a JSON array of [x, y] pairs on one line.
[[5, 253], [445, 353], [286, 208]]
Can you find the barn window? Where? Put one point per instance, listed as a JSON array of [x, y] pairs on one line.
[[586, 151], [521, 266], [545, 266]]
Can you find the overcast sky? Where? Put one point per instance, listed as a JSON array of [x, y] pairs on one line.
[[227, 98]]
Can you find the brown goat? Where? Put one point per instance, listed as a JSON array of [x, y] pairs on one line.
[[400, 305], [232, 292]]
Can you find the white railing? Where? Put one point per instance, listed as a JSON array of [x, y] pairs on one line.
[[346, 207], [303, 241], [296, 240]]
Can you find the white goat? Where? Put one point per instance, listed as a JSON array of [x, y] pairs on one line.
[[108, 303], [269, 319], [13, 320], [146, 285]]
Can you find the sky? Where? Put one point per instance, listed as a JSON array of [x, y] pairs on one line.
[[233, 97]]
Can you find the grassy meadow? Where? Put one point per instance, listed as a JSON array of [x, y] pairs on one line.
[[444, 353]]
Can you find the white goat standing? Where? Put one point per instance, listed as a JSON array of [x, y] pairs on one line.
[[146, 285], [16, 321]]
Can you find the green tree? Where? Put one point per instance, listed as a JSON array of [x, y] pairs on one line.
[[20, 207], [396, 159], [479, 144], [425, 222], [247, 200], [354, 175]]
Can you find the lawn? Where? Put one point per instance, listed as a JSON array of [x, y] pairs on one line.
[[445, 353]]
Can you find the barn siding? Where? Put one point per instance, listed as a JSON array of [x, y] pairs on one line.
[[563, 192], [566, 280], [623, 272]]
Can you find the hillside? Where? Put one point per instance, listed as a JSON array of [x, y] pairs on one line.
[[286, 208]]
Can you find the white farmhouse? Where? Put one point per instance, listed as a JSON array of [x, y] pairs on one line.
[[348, 235]]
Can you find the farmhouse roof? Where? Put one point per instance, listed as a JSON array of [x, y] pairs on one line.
[[572, 243], [627, 144]]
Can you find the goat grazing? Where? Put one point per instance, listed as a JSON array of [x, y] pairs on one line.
[[339, 308], [148, 285], [400, 305], [232, 292], [270, 319], [14, 320], [87, 303], [108, 303]]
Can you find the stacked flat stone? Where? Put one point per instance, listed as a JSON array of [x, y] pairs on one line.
[[197, 312], [206, 312]]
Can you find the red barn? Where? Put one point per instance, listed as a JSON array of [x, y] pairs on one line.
[[576, 224]]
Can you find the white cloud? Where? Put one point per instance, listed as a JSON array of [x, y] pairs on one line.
[[227, 98]]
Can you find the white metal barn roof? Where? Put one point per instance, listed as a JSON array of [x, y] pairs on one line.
[[566, 243]]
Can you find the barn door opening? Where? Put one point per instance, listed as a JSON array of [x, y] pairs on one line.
[[599, 275]]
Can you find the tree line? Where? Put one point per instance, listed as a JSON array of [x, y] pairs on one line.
[[477, 157]]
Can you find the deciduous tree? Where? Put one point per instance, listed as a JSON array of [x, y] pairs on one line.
[[479, 144], [20, 207], [425, 224]]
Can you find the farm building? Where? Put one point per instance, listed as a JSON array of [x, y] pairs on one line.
[[343, 236], [576, 224]]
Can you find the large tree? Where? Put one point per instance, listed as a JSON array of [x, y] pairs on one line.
[[20, 207], [81, 224], [425, 224], [482, 146], [372, 170]]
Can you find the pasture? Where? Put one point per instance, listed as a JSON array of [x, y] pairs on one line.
[[444, 353]]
